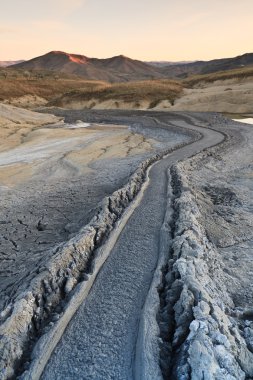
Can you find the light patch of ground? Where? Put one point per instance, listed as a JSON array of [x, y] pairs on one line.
[[16, 123], [25, 143], [107, 104], [221, 96], [121, 145], [79, 146], [12, 175], [115, 104], [27, 101], [246, 120]]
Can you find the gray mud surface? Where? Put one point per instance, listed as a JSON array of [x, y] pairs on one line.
[[206, 305], [100, 341], [58, 199]]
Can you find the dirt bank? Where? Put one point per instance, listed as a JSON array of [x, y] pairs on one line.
[[231, 96], [16, 123]]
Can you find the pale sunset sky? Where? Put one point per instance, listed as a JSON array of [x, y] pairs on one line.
[[171, 30]]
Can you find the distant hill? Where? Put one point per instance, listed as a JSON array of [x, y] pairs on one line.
[[124, 69], [9, 63], [167, 63], [207, 67], [115, 69]]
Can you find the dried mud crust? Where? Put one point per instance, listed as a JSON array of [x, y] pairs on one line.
[[206, 305], [51, 205], [42, 302], [55, 190]]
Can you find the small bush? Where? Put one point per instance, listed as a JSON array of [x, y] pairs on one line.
[[129, 92]]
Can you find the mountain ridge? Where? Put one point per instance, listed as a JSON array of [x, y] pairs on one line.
[[122, 69], [10, 63], [207, 67], [117, 68]]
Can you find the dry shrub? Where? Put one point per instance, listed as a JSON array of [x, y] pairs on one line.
[[45, 84], [129, 92]]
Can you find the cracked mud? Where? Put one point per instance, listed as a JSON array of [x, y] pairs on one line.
[[54, 182], [51, 186]]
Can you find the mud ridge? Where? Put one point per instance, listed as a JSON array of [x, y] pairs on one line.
[[201, 334], [35, 311]]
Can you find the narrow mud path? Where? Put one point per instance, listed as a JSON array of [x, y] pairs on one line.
[[100, 341]]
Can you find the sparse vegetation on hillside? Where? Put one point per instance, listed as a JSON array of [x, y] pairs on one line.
[[61, 89], [151, 90], [240, 74], [46, 84]]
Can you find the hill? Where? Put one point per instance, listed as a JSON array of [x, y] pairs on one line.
[[40, 86], [123, 69], [115, 69], [234, 75], [167, 63], [9, 63], [222, 91], [207, 67], [228, 91], [140, 94]]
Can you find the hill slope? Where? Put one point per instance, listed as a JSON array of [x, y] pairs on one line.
[[122, 69], [207, 67], [9, 63], [115, 69]]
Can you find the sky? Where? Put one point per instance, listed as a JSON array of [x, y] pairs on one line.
[[141, 29]]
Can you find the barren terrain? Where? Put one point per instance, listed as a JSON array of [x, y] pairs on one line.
[[210, 262], [231, 96], [52, 180], [154, 257], [234, 95], [228, 91]]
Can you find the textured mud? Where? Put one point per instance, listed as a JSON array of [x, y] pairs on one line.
[[51, 188], [49, 280], [206, 305], [206, 298], [102, 335]]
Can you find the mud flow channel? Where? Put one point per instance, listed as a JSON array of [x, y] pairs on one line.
[[52, 179]]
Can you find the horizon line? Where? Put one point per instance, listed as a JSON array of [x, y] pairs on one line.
[[123, 55]]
